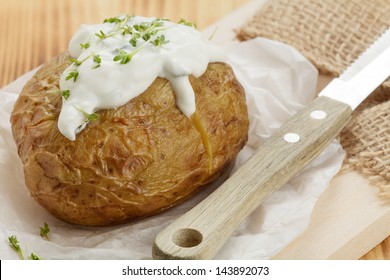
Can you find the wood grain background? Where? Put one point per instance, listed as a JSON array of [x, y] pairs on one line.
[[32, 31]]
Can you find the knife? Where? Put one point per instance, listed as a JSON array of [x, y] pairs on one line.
[[201, 232]]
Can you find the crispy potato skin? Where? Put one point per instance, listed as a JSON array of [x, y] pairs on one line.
[[134, 161]]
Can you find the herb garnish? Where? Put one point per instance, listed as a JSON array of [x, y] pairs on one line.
[[186, 23], [75, 61], [88, 117], [147, 31], [97, 60], [103, 35], [139, 35], [14, 243], [72, 75], [125, 57], [133, 41], [92, 117], [113, 20], [65, 93], [44, 231], [159, 41], [85, 46], [34, 257]]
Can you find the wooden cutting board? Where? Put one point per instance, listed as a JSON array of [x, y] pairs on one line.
[[349, 219]]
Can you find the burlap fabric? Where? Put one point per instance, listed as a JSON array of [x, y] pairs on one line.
[[332, 34]]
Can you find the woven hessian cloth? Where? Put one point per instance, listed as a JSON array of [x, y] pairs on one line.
[[332, 34]]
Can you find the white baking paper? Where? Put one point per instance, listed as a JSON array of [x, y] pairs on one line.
[[278, 82]]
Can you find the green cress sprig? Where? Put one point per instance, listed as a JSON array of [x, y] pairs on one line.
[[64, 93], [85, 46], [73, 75], [14, 243], [44, 231], [97, 60], [187, 23], [34, 257], [120, 21], [88, 117], [159, 41], [124, 57], [75, 72], [147, 31]]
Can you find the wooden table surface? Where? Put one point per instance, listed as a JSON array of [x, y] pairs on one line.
[[32, 31]]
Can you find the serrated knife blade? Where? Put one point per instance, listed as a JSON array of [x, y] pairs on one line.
[[201, 232], [364, 75]]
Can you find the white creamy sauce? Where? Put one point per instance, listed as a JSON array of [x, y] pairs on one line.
[[102, 76]]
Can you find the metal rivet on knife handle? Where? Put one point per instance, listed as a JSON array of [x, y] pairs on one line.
[[291, 137]]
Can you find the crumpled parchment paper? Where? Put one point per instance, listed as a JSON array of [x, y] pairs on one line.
[[278, 81]]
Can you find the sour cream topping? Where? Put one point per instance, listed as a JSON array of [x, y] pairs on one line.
[[119, 59]]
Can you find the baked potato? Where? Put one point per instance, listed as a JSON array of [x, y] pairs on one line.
[[133, 161]]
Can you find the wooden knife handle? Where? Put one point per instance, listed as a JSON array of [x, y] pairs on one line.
[[202, 231]]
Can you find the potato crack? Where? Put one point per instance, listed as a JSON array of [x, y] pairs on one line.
[[205, 139]]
